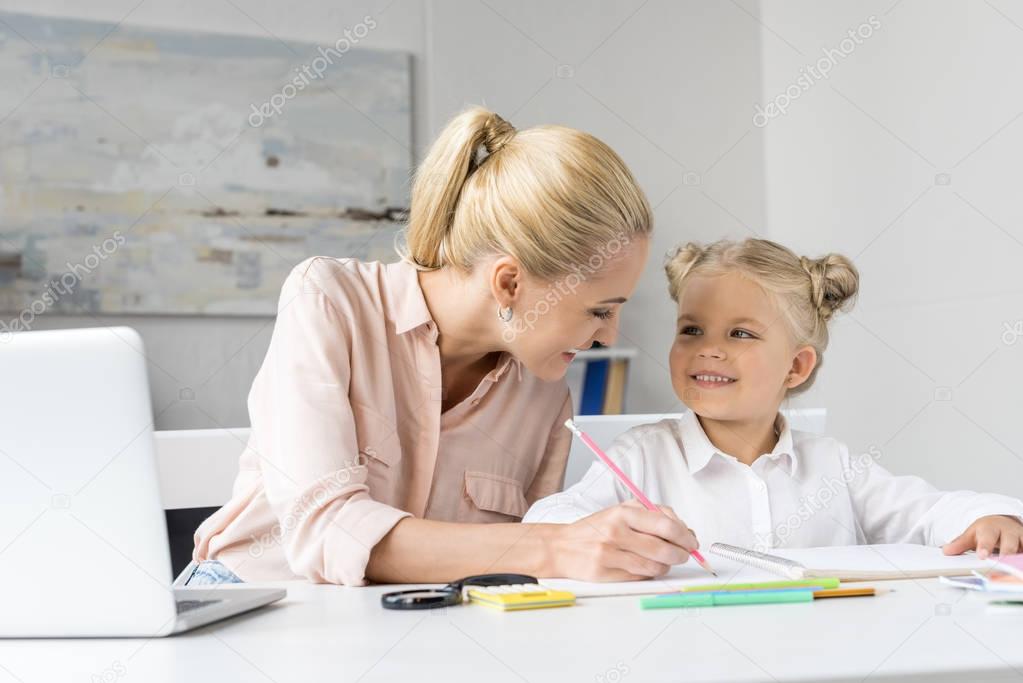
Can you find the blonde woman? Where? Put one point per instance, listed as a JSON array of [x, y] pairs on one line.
[[407, 415]]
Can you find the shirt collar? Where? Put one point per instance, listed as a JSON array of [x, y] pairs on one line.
[[409, 311], [699, 450], [406, 302], [505, 361]]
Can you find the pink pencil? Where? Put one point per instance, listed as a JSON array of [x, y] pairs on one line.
[[591, 444]]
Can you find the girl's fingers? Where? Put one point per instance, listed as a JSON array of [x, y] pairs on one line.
[[1010, 543], [987, 539], [960, 544]]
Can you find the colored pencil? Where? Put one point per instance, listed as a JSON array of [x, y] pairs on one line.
[[592, 445]]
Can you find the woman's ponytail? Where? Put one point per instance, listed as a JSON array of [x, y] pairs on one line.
[[440, 178], [549, 196]]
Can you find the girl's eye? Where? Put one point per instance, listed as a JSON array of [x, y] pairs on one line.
[[742, 334], [690, 329], [604, 315]]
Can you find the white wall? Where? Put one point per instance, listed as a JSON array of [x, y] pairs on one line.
[[919, 369]]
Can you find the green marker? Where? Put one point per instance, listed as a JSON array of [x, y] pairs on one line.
[[765, 585], [726, 598]]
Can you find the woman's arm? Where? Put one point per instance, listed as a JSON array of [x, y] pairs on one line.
[[622, 543], [312, 470]]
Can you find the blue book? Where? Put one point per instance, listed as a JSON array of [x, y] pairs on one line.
[[594, 384]]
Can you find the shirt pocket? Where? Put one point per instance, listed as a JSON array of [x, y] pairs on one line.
[[493, 498]]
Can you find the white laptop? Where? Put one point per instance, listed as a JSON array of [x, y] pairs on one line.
[[83, 539]]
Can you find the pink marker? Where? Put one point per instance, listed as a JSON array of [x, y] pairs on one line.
[[628, 482]]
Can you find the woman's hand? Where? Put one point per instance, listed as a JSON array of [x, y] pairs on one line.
[[626, 542], [986, 534]]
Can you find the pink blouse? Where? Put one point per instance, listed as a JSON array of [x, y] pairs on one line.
[[348, 436]]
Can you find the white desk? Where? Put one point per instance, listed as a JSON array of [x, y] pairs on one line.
[[329, 633]]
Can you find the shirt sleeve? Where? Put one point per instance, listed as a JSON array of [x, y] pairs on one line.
[[299, 407], [550, 476], [907, 509], [599, 488]]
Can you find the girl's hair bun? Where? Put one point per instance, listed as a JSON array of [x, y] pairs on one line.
[[834, 282], [679, 263]]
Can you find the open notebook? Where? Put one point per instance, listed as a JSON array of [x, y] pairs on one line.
[[737, 565]]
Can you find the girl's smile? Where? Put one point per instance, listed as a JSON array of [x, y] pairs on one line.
[[706, 379]]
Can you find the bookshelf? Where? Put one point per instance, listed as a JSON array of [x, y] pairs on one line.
[[598, 378]]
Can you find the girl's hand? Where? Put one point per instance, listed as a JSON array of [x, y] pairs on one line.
[[626, 542], [986, 534]]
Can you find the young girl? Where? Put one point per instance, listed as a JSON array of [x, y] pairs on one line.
[[751, 330]]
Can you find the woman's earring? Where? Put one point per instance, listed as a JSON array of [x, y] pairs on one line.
[[505, 314]]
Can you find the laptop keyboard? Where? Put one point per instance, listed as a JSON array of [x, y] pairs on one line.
[[189, 605]]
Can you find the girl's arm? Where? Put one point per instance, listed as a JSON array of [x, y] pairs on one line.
[[907, 509], [599, 488]]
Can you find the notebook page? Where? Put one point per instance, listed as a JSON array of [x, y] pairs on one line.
[[893, 559], [688, 574]]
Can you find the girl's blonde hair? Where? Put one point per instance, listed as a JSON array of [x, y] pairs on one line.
[[549, 196], [809, 291]]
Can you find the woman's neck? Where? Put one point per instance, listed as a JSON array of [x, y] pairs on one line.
[[746, 440], [462, 318]]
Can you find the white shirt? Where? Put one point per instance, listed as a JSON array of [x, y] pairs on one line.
[[809, 491]]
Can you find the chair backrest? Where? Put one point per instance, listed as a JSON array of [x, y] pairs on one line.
[[604, 429], [197, 467]]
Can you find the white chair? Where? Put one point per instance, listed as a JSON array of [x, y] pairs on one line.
[[604, 429], [197, 466]]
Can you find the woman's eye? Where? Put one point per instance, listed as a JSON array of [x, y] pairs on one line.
[[742, 334], [604, 315], [690, 329]]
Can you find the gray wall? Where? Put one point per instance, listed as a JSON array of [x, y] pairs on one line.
[[216, 358], [667, 84], [905, 158]]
